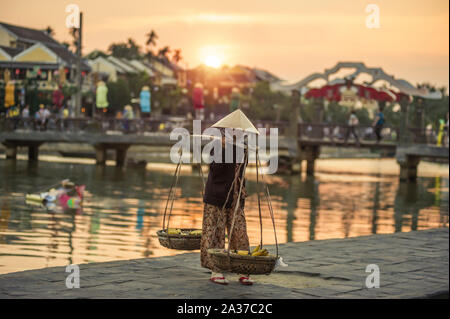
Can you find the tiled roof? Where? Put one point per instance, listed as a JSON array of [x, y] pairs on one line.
[[11, 51], [67, 56], [121, 64], [38, 36], [118, 67], [29, 35]]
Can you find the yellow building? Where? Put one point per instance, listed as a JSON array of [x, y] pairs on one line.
[[24, 49]]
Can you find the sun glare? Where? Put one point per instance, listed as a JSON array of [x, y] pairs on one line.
[[212, 61]]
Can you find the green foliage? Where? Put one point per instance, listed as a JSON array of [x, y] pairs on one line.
[[118, 95], [336, 113], [264, 103], [392, 118], [436, 110], [128, 50], [95, 54], [137, 81], [68, 90], [168, 99], [363, 116]]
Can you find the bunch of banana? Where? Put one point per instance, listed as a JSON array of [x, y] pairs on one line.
[[174, 231], [243, 252], [259, 252], [196, 232]]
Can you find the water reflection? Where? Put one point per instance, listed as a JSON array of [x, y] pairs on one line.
[[123, 210]]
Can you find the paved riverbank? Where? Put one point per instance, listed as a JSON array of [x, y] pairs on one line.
[[412, 265]]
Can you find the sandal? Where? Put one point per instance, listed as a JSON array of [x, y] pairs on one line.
[[219, 280], [245, 281]]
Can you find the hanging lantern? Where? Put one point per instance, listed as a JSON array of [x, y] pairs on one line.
[[9, 94], [62, 75], [102, 96], [17, 71], [6, 76]]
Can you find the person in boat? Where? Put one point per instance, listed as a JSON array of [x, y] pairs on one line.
[[70, 195], [67, 195], [220, 199]]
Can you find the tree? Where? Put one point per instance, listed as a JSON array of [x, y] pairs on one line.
[[137, 81], [134, 49], [151, 38], [263, 101], [66, 44], [119, 50], [434, 109], [151, 41], [162, 53], [176, 57], [128, 50], [118, 95], [95, 54], [49, 30], [74, 34]]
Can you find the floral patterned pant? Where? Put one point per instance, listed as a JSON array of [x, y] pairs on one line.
[[213, 233]]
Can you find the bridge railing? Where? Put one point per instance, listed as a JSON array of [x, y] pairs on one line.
[[93, 125], [322, 131], [338, 132]]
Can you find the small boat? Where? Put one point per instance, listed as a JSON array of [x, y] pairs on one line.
[[66, 195]]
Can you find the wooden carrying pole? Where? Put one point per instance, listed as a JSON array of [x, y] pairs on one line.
[[267, 195]]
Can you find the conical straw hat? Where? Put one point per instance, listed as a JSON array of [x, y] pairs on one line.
[[237, 120]]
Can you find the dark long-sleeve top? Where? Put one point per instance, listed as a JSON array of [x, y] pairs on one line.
[[220, 179]]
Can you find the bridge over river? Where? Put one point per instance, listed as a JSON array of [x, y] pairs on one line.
[[297, 142]]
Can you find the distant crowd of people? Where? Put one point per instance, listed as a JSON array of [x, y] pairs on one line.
[[40, 119]]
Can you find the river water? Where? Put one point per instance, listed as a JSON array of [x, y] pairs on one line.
[[123, 208]]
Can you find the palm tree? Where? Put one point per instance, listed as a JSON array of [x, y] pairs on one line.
[[151, 38], [164, 52], [151, 41], [74, 34], [134, 49], [176, 57], [49, 30]]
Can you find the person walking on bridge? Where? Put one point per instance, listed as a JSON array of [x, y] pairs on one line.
[[352, 123], [378, 123]]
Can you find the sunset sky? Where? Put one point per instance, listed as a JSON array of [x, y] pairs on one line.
[[291, 38]]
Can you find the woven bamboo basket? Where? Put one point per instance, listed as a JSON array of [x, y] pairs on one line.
[[248, 265], [180, 242]]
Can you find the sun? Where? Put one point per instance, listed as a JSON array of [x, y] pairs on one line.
[[213, 61]]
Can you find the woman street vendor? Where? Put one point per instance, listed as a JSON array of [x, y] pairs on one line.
[[220, 199]]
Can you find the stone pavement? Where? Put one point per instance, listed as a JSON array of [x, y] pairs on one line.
[[412, 265]]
